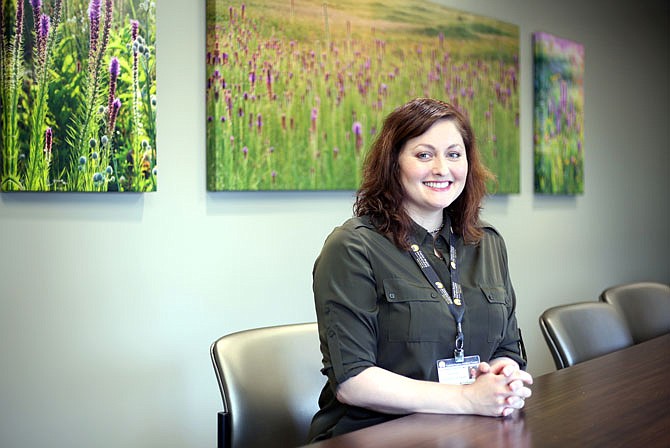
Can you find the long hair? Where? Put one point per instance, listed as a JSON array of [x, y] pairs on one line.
[[381, 193]]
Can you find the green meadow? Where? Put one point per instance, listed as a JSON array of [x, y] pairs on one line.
[[297, 90]]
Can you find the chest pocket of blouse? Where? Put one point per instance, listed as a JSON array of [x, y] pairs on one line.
[[412, 311], [497, 303]]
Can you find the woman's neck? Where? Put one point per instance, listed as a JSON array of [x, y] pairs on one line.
[[431, 222]]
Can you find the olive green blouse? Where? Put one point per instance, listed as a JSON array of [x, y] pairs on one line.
[[375, 308]]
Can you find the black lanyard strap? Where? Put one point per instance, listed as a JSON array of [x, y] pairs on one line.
[[456, 304]]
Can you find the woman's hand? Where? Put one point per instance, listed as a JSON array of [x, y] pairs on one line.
[[503, 387]]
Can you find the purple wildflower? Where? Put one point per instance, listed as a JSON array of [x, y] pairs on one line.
[[357, 129], [48, 142], [134, 26], [259, 123], [94, 23], [42, 36], [45, 23], [268, 81], [114, 69], [18, 30], [109, 5], [114, 112], [37, 9], [245, 152], [564, 95], [314, 115]]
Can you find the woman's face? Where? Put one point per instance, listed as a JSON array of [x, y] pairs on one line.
[[433, 169]]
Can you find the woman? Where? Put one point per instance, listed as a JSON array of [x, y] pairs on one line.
[[384, 322]]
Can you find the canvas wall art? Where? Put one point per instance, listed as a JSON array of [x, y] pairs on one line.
[[559, 115], [296, 90], [78, 95]]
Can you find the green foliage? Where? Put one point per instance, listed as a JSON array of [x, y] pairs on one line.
[[69, 94], [559, 112]]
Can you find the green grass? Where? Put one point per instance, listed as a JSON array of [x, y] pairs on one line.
[[352, 62]]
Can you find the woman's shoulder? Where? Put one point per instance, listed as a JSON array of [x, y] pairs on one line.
[[490, 234], [489, 229], [354, 231], [354, 225]]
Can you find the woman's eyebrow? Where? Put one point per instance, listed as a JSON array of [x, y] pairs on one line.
[[429, 146]]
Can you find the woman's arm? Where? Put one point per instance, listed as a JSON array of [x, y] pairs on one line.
[[384, 391]]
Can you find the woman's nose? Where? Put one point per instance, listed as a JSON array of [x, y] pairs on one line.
[[440, 166]]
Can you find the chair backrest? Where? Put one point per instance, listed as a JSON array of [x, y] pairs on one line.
[[644, 305], [581, 331], [270, 380]]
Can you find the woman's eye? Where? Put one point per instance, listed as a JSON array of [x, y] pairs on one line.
[[424, 155], [454, 155]]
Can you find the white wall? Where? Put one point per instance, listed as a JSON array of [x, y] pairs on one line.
[[108, 303]]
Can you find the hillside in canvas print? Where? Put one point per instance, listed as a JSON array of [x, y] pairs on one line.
[[297, 90], [559, 115], [78, 95]]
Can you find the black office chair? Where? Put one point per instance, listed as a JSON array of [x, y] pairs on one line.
[[581, 331], [270, 380], [644, 305]]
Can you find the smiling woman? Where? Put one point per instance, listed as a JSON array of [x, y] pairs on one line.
[[433, 169], [389, 327]]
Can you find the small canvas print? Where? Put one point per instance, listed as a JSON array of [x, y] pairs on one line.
[[78, 95], [296, 90], [559, 115]]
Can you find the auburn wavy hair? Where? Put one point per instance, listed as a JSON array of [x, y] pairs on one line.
[[381, 193]]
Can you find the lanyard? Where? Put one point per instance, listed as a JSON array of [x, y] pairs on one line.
[[455, 305]]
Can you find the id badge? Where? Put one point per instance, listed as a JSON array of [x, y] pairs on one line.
[[451, 372]]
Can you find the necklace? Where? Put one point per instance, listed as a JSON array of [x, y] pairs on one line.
[[435, 231]]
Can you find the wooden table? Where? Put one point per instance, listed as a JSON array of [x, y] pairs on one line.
[[618, 400]]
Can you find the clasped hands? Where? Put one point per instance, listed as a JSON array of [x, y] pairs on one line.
[[500, 387]]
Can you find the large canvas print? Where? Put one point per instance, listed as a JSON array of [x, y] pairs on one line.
[[297, 89], [78, 95], [559, 115]]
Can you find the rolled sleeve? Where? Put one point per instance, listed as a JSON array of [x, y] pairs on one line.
[[346, 305]]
